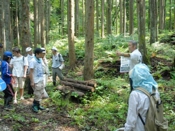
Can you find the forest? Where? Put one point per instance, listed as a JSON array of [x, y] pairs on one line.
[[88, 33]]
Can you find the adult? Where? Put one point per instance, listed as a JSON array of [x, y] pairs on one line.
[[7, 76], [29, 57], [135, 57], [19, 66], [37, 79], [57, 65], [138, 101]]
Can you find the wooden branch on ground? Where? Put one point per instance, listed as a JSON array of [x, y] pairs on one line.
[[79, 86], [88, 83]]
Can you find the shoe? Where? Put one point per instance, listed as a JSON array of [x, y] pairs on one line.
[[15, 102], [8, 108], [22, 98], [41, 108], [35, 108]]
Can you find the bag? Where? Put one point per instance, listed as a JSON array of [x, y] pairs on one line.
[[154, 119]]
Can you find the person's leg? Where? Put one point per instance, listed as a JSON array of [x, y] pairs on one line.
[[60, 74], [54, 76], [15, 87], [21, 87]]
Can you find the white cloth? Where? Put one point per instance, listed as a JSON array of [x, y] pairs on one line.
[[138, 103], [37, 70], [135, 58], [18, 64], [57, 60], [29, 57]]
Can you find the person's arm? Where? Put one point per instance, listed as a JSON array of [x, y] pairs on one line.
[[123, 54], [31, 77], [132, 115]]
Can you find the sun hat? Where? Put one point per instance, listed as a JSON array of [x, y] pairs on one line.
[[44, 50], [54, 48], [28, 49]]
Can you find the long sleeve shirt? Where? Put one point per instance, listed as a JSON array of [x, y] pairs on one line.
[[6, 72]]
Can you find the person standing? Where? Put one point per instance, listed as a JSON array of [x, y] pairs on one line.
[[37, 80], [135, 57], [19, 66], [57, 65], [7, 76], [29, 57]]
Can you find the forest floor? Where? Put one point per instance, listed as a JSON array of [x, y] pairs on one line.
[[22, 118]]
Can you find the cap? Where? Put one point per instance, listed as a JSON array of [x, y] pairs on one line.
[[38, 50], [44, 50], [54, 48], [1, 46], [8, 54], [28, 49]]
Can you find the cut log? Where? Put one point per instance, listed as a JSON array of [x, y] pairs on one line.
[[79, 86], [88, 83]]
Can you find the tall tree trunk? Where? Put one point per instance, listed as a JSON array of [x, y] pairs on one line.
[[39, 20], [76, 18], [2, 22], [124, 17], [116, 22], [153, 20], [72, 58], [170, 20], [141, 29], [62, 16], [43, 40], [17, 23], [97, 17], [89, 41], [102, 18], [131, 14], [161, 14], [47, 20], [25, 27], [121, 17], [83, 19], [174, 17], [7, 25], [109, 17], [36, 25]]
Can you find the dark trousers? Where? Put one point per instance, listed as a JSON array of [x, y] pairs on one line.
[[28, 86], [8, 93]]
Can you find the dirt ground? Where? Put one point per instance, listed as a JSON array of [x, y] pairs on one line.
[[22, 118]]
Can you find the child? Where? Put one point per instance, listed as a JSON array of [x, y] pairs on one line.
[[7, 76]]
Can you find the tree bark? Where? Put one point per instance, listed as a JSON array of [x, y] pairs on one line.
[[109, 17], [102, 18], [72, 58], [89, 41], [79, 86], [62, 16], [76, 18], [131, 14]]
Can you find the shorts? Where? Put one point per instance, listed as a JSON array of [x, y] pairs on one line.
[[18, 82]]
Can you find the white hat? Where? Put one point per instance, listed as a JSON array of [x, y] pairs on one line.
[[28, 49], [54, 48]]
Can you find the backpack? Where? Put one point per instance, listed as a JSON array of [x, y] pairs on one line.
[[154, 119]]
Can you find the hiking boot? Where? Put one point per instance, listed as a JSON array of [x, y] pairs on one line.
[[41, 108], [35, 108], [54, 83]]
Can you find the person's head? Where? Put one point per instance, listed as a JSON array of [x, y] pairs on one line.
[[44, 51], [29, 50], [38, 53], [54, 50], [1, 47], [132, 45], [141, 77], [16, 51], [7, 56]]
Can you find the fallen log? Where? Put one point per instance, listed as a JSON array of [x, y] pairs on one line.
[[79, 86], [88, 83], [68, 89]]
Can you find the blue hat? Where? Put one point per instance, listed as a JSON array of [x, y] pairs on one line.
[[8, 54]]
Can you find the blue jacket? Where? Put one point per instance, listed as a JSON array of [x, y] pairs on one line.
[[6, 72]]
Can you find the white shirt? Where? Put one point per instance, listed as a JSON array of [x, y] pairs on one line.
[[138, 103], [29, 57], [135, 58], [37, 70], [18, 64]]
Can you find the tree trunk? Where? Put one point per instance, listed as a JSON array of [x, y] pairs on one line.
[[131, 14], [43, 44], [97, 17], [72, 58], [2, 22], [36, 25], [109, 17], [161, 14], [79, 86], [117, 3], [17, 23], [153, 21], [25, 26], [62, 16], [89, 41], [76, 18], [39, 21], [47, 20], [7, 25], [121, 17], [141, 29], [102, 18]]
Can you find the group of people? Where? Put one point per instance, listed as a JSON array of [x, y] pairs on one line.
[[31, 70], [140, 77]]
